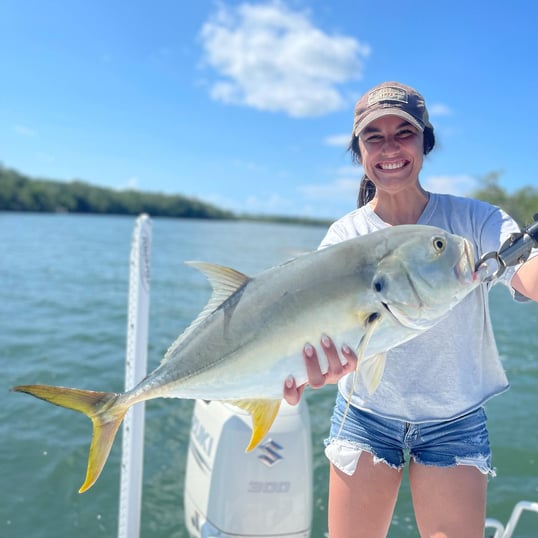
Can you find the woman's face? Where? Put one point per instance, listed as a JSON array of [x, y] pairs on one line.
[[391, 153]]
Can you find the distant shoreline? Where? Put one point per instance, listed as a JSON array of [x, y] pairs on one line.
[[20, 193]]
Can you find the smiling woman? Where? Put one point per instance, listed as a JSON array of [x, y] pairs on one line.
[[410, 126], [430, 399], [391, 154]]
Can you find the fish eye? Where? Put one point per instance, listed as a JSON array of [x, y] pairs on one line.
[[379, 284], [439, 244]]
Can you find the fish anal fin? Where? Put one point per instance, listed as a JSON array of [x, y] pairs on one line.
[[263, 414], [102, 408]]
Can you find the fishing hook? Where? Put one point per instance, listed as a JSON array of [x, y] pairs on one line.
[[515, 250]]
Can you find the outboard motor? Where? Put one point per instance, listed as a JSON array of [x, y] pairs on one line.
[[263, 493]]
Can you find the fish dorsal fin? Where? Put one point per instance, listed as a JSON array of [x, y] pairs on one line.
[[263, 413], [224, 281]]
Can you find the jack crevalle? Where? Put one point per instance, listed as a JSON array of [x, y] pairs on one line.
[[372, 292]]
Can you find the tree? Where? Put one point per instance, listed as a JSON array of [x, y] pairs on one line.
[[21, 193], [521, 205]]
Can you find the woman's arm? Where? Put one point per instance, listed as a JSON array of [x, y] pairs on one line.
[[525, 280], [316, 379]]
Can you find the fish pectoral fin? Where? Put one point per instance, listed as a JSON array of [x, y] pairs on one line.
[[372, 378], [372, 370], [263, 414]]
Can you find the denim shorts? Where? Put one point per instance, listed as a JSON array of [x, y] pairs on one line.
[[459, 441]]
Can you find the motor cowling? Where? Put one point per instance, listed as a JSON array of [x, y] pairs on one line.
[[263, 493]]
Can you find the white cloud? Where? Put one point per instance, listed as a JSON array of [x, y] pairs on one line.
[[272, 58], [45, 157], [265, 203], [247, 165], [460, 185], [24, 130], [337, 189], [325, 200], [341, 140], [343, 187], [438, 109], [132, 183], [272, 203]]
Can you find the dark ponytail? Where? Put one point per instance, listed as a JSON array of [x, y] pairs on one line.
[[366, 191], [367, 187]]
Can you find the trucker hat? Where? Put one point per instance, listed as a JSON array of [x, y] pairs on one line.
[[391, 98]]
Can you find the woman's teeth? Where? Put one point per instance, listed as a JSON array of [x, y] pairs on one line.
[[391, 166]]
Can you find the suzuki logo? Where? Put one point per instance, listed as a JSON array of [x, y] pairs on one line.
[[270, 453]]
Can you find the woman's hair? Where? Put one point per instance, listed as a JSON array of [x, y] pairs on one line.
[[367, 187]]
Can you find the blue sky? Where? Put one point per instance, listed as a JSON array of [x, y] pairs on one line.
[[248, 104]]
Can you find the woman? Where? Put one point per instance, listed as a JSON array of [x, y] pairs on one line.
[[430, 399]]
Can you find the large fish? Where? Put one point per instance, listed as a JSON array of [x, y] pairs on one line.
[[372, 292]]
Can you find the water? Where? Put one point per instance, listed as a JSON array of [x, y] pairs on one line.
[[63, 315]]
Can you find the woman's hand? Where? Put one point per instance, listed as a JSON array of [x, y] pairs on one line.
[[316, 379]]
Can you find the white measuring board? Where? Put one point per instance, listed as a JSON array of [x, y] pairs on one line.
[[132, 463]]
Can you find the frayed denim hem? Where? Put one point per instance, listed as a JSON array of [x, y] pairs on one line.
[[344, 455]]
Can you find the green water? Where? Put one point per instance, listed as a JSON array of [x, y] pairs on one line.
[[63, 316]]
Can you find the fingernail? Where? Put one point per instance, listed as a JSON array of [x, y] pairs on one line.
[[325, 341], [346, 349], [290, 381], [309, 350]]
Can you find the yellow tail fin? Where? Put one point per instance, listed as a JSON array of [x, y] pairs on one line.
[[103, 410]]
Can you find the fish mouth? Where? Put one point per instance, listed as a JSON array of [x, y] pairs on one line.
[[400, 317], [404, 320], [391, 313]]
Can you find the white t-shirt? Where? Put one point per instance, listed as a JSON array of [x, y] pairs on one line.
[[453, 367]]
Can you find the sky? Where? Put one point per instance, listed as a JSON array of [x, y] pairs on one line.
[[249, 104]]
